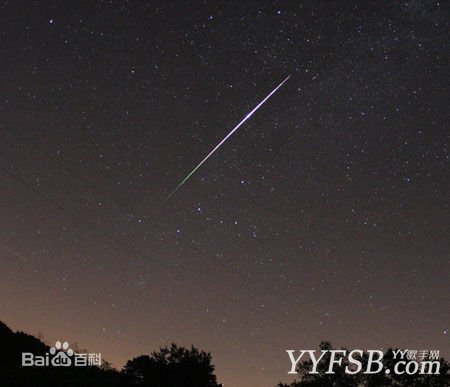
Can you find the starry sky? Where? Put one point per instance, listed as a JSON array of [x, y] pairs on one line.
[[324, 217]]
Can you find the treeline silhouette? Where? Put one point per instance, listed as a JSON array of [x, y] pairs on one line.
[[169, 367], [180, 367], [381, 379]]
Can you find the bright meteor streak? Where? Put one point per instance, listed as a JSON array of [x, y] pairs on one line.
[[226, 138]]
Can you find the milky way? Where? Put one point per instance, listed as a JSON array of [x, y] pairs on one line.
[[326, 218]]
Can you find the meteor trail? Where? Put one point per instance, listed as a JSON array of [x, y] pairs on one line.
[[226, 138]]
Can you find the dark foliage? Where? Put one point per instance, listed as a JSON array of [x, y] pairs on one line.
[[174, 366], [171, 367], [12, 374]]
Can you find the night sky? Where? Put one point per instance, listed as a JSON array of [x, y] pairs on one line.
[[324, 217]]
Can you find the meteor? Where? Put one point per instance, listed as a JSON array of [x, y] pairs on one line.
[[225, 139]]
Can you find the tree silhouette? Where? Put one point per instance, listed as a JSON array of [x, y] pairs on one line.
[[342, 379], [12, 374], [174, 367], [171, 367]]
